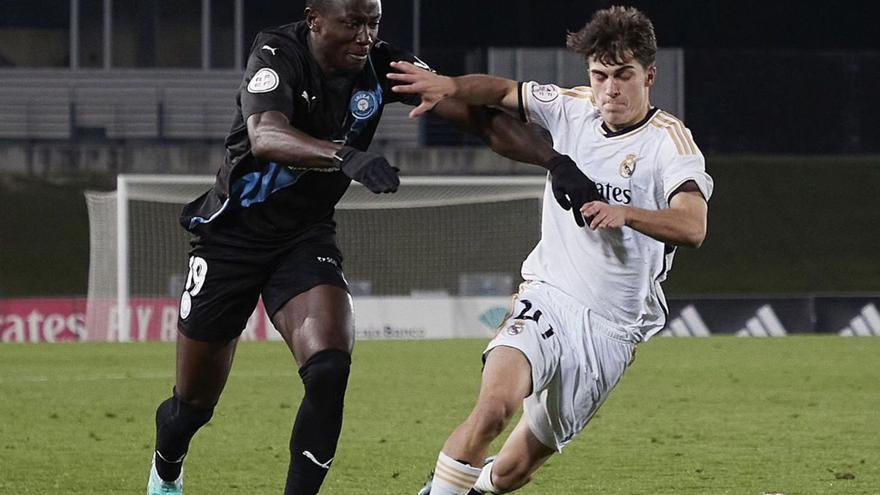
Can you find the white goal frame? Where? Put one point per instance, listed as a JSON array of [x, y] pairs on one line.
[[531, 187]]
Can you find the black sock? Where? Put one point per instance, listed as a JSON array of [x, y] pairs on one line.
[[318, 422], [176, 423]]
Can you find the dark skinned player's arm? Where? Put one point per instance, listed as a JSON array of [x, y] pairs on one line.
[[504, 134], [274, 139]]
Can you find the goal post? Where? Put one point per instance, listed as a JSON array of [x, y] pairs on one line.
[[438, 238]]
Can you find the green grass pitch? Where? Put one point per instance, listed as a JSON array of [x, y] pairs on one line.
[[721, 415]]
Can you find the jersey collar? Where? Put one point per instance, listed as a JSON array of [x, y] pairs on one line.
[[607, 132]]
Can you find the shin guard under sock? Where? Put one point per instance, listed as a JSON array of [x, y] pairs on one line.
[[318, 422], [176, 423]]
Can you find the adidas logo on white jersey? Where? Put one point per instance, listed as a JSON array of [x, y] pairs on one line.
[[688, 324], [867, 323], [764, 324]]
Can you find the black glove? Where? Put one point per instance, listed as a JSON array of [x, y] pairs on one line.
[[369, 169], [571, 188]]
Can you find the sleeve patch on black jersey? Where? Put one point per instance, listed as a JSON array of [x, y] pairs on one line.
[[264, 81]]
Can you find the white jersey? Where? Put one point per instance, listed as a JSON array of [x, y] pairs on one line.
[[613, 272]]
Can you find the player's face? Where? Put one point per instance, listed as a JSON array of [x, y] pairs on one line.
[[621, 91], [344, 33]]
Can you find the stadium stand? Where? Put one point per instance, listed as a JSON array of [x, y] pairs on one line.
[[137, 104]]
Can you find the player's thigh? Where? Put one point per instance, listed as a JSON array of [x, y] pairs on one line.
[[316, 320], [221, 291], [595, 359], [307, 298], [507, 378], [612, 352], [220, 294], [549, 327], [530, 329]]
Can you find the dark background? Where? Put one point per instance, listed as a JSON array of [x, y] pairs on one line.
[[781, 97], [692, 24], [760, 77]]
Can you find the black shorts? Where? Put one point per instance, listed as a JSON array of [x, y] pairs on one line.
[[225, 281]]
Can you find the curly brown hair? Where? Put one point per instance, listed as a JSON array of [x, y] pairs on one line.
[[615, 34]]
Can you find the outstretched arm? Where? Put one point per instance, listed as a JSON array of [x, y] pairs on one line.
[[513, 139], [461, 100], [504, 134], [474, 89]]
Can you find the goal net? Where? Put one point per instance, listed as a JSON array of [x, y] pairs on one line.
[[434, 243]]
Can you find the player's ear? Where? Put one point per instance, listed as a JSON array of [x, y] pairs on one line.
[[651, 76], [312, 19]]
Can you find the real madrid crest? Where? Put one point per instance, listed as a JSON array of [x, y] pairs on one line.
[[363, 105], [516, 327], [628, 166]]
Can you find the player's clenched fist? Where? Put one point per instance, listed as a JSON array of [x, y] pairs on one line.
[[369, 169], [571, 188]]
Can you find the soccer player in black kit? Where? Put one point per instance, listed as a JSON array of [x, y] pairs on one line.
[[309, 103]]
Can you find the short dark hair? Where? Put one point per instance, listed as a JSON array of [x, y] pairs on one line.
[[318, 4], [615, 34]]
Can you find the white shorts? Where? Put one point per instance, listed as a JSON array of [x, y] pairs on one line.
[[576, 359]]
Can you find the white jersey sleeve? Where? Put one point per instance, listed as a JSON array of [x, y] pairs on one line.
[[681, 160], [554, 108]]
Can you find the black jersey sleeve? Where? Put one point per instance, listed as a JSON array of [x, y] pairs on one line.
[[270, 75], [384, 54]]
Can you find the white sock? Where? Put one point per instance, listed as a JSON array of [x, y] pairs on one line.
[[452, 477], [484, 481]]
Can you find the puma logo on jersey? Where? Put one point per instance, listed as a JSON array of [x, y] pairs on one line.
[[308, 99], [309, 456], [327, 259], [421, 65], [269, 48]]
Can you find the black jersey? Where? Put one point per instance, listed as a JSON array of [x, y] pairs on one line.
[[279, 199]]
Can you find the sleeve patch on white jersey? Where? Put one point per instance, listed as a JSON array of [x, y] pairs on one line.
[[545, 92], [264, 81]]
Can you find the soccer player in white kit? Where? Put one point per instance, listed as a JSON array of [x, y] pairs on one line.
[[590, 295]]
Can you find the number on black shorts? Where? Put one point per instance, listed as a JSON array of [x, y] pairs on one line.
[[198, 270]]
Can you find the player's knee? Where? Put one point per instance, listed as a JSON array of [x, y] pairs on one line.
[[180, 418], [325, 377], [492, 416]]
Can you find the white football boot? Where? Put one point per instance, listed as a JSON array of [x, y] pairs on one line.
[[158, 486]]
